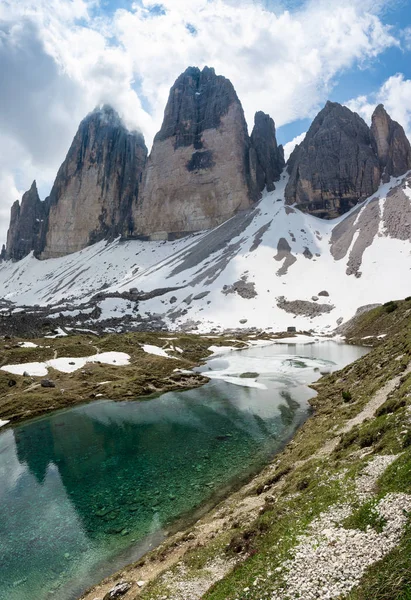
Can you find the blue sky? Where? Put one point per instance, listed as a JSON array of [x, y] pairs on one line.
[[61, 58]]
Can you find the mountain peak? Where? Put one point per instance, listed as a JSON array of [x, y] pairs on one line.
[[390, 144], [106, 114], [338, 142], [270, 156], [33, 187], [26, 222], [198, 100], [96, 184], [198, 172]]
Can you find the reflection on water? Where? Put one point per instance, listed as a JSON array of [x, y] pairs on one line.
[[86, 490]]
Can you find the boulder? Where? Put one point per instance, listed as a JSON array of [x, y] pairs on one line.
[[47, 383], [120, 589]]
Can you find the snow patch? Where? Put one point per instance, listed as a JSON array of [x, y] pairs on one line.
[[150, 349], [67, 365]]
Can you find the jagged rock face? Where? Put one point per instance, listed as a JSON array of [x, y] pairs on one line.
[[335, 166], [94, 189], [269, 158], [390, 144], [197, 175], [26, 223]]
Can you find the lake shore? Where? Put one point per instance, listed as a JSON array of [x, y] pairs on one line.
[[241, 547], [147, 373]]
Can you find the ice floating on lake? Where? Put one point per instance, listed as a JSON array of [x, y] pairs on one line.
[[3, 423], [301, 339], [67, 365], [241, 381]]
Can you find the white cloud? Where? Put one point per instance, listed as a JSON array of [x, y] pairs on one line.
[[289, 146], [63, 57], [395, 94], [406, 38]]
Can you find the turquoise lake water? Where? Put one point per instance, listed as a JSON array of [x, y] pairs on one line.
[[87, 490]]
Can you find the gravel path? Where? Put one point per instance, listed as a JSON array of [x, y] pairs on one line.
[[376, 401], [330, 560], [194, 588]]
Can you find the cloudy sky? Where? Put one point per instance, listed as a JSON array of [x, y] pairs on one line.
[[61, 58]]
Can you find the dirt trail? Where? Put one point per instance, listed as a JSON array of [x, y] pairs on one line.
[[367, 412]]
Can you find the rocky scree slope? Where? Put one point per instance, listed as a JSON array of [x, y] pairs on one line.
[[247, 272]]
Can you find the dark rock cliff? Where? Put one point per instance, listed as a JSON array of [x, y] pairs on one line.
[[335, 166], [198, 173], [198, 100], [269, 157], [390, 144], [26, 223], [95, 186]]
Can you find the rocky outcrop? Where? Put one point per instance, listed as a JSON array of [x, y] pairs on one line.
[[26, 223], [266, 155], [335, 166], [198, 172], [94, 189], [390, 144]]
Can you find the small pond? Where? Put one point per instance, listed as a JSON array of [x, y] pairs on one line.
[[87, 490]]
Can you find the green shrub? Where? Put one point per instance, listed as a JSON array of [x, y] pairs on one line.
[[390, 306], [346, 396], [364, 517]]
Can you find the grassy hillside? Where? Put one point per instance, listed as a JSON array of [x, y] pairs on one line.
[[23, 397], [371, 326]]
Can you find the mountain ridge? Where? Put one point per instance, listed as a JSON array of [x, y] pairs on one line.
[[203, 168]]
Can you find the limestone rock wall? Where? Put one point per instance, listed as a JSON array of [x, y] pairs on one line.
[[390, 144], [335, 166], [197, 175], [92, 195], [26, 223], [269, 157]]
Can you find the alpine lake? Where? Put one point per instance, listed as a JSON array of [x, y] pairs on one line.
[[87, 490]]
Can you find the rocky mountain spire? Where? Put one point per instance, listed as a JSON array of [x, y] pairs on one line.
[[26, 222], [390, 144], [198, 172], [335, 166], [269, 157], [95, 186]]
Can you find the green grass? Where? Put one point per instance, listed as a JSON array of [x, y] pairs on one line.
[[364, 517], [390, 579]]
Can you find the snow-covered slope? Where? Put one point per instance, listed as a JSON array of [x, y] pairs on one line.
[[263, 268]]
